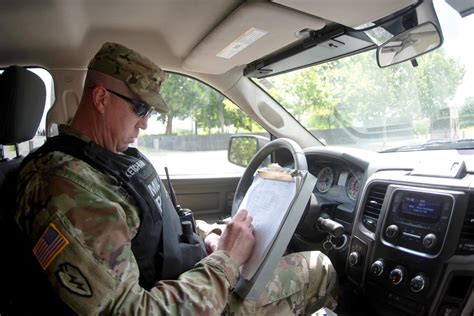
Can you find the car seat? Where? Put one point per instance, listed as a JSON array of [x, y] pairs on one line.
[[24, 286]]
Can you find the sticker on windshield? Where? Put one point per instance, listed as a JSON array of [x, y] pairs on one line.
[[239, 44]]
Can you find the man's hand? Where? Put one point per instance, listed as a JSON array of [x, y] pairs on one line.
[[238, 239], [212, 241]]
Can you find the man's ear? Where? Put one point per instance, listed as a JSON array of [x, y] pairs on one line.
[[100, 98]]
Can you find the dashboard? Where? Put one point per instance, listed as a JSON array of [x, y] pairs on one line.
[[408, 226], [336, 180]]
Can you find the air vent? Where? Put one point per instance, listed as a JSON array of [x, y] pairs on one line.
[[466, 240], [373, 205]]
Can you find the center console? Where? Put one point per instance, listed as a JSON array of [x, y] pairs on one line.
[[404, 241], [417, 220]]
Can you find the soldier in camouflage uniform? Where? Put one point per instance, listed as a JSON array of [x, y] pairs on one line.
[[82, 222]]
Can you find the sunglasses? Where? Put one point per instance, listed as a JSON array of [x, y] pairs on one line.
[[140, 108]]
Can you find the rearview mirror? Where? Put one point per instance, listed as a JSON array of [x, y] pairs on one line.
[[412, 43]]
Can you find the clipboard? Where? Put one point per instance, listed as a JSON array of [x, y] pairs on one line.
[[251, 287]]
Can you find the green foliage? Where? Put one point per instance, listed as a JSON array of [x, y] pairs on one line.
[[239, 120], [307, 94], [422, 126], [242, 150], [467, 113], [355, 92], [210, 110], [437, 77], [350, 92], [371, 94], [182, 94]]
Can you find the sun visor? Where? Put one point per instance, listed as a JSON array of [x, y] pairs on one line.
[[253, 30], [347, 12]]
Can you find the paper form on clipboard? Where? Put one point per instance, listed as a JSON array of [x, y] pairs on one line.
[[267, 201]]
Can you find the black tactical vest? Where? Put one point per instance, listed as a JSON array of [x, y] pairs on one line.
[[161, 249]]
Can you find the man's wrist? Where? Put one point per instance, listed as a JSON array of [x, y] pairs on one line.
[[224, 262]]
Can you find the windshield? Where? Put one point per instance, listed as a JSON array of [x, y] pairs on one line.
[[353, 102]]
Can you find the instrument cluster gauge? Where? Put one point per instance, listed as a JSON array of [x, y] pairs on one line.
[[353, 185], [325, 179]]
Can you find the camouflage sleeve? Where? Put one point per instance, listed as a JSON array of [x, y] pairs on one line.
[[82, 232]]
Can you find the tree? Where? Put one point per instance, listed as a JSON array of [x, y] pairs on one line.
[[235, 117], [307, 94], [402, 93], [189, 98], [210, 113], [181, 94], [438, 77], [364, 95], [367, 94], [467, 113]]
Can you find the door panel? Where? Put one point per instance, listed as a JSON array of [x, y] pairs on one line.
[[209, 198]]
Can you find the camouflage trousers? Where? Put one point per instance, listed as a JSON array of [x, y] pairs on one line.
[[302, 283]]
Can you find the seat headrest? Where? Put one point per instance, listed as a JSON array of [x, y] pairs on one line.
[[22, 100]]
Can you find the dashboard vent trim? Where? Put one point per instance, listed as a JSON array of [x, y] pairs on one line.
[[373, 205], [466, 239]]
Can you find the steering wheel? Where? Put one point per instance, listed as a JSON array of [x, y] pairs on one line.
[[306, 227], [299, 160]]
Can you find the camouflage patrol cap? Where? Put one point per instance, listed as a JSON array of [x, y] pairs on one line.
[[142, 76]]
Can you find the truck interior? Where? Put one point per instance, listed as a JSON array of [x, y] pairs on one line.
[[393, 204]]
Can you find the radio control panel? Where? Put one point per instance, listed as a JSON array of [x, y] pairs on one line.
[[417, 221]]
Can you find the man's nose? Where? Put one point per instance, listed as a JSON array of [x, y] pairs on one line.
[[143, 123]]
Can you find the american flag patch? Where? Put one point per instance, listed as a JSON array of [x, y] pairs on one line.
[[49, 246]]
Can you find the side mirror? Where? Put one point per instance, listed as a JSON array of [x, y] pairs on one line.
[[243, 147], [412, 43]]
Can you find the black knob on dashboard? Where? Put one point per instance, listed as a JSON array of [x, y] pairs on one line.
[[430, 240], [377, 267], [397, 275], [392, 231], [354, 258], [418, 283]]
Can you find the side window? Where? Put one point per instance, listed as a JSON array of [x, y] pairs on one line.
[[193, 138], [40, 136]]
